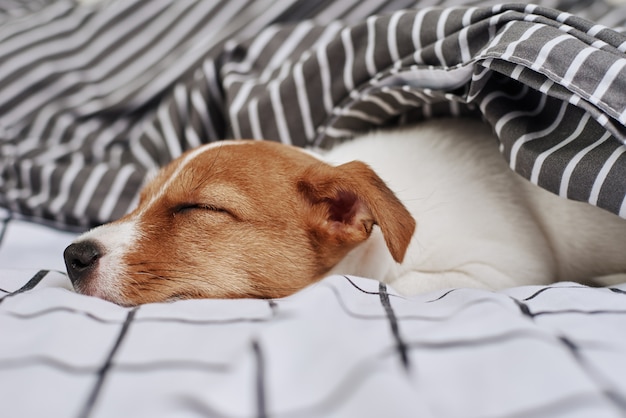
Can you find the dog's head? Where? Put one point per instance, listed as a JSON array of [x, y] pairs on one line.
[[237, 219]]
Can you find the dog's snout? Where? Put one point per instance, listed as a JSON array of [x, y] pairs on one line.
[[80, 258]]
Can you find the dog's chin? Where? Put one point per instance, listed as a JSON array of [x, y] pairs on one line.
[[108, 296]]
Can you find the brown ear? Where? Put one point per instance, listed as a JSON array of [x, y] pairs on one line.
[[349, 199]]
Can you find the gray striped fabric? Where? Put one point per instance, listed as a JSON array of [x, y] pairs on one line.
[[92, 99]]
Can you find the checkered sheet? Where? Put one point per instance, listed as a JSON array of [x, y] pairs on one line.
[[94, 98], [345, 347]]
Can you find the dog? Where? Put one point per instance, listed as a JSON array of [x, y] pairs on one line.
[[421, 208]]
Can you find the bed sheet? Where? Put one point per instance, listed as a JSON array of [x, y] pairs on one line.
[[345, 347], [82, 122]]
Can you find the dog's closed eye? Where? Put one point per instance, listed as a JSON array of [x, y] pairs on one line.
[[190, 207]]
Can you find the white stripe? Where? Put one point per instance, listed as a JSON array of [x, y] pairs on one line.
[[55, 12], [69, 67], [154, 68], [199, 104], [237, 104], [466, 55], [544, 52], [14, 193], [571, 166], [55, 45], [69, 176], [497, 94], [604, 172], [467, 16], [595, 29], [534, 135], [105, 137], [164, 72], [180, 100], [510, 50], [538, 164], [59, 150], [210, 75], [441, 34], [520, 113], [417, 28], [142, 156], [370, 49], [530, 9], [349, 63], [424, 99], [392, 38], [358, 114], [192, 138], [334, 9], [59, 129], [254, 50], [562, 17], [463, 40], [113, 196], [57, 26], [338, 133], [253, 116], [622, 209], [384, 106], [169, 132], [322, 61], [88, 189], [607, 81], [400, 98], [286, 48], [277, 105], [576, 65], [241, 96], [303, 101], [44, 194]]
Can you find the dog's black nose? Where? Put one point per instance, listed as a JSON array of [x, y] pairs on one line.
[[80, 258]]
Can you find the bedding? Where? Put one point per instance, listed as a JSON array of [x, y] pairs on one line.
[[95, 96], [344, 347]]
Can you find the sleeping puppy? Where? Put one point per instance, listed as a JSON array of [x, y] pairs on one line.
[[435, 207]]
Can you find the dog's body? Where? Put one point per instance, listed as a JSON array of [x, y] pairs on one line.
[[478, 223], [259, 219]]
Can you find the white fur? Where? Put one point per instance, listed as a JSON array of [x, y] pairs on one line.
[[115, 239], [478, 223]]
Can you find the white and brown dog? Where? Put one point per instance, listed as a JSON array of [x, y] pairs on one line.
[[259, 219]]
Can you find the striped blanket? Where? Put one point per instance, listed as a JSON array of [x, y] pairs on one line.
[[95, 97]]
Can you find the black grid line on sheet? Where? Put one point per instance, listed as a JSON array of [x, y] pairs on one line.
[[613, 395], [618, 399], [34, 281], [367, 368], [549, 288], [105, 368], [4, 224], [21, 362], [395, 327], [616, 290], [275, 314], [559, 407], [259, 381], [412, 317]]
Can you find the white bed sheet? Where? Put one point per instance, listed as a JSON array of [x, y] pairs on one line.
[[345, 347]]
